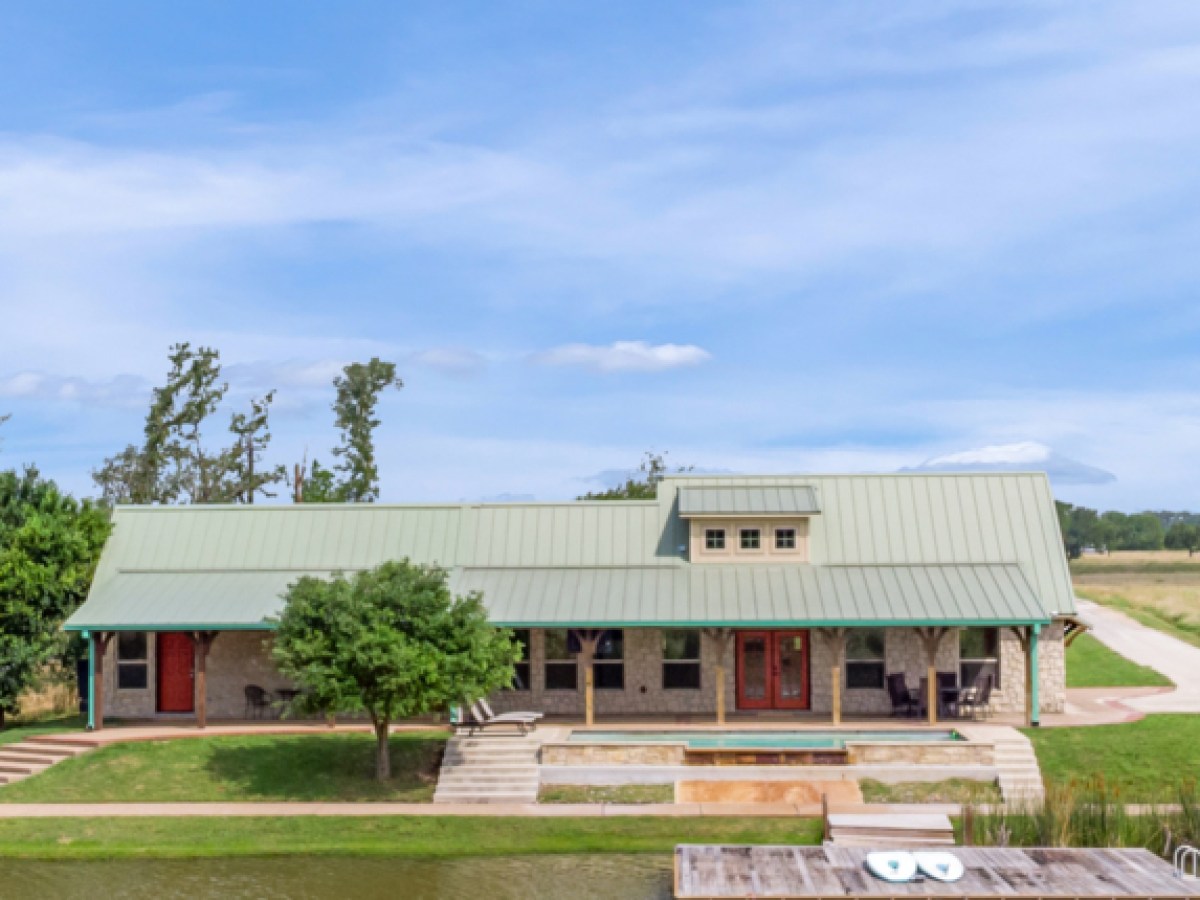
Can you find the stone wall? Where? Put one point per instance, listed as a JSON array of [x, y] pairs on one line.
[[583, 754], [904, 652], [237, 659], [917, 753]]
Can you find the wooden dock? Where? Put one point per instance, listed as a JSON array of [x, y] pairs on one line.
[[809, 873]]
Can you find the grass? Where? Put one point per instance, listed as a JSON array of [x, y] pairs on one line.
[[1142, 761], [607, 793], [1162, 561], [258, 767], [1092, 664], [1169, 607], [953, 790], [397, 836], [19, 730]]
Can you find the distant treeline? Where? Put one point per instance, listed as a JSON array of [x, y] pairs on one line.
[[1087, 529]]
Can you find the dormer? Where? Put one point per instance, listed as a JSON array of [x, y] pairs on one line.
[[748, 523]]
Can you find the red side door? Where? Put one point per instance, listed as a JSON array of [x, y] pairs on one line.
[[790, 684], [754, 664], [772, 670], [176, 674]]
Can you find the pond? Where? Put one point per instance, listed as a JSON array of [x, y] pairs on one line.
[[495, 878]]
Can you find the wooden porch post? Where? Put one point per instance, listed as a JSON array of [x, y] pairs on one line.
[[588, 641], [202, 642], [100, 640], [835, 639], [931, 638], [722, 638]]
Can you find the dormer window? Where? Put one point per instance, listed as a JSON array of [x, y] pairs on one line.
[[785, 538], [751, 539], [714, 539]]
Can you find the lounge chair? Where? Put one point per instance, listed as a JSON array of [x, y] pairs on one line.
[[531, 717], [478, 720], [901, 697]]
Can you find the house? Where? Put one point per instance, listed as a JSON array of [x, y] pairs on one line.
[[768, 593]]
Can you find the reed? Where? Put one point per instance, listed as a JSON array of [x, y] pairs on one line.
[[1092, 813]]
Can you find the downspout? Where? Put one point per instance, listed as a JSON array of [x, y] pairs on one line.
[[91, 685], [1035, 674]]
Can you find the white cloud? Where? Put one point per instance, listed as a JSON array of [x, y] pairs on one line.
[[450, 360], [120, 391], [1019, 457], [624, 356]]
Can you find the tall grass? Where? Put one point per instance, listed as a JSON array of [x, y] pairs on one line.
[[1092, 814]]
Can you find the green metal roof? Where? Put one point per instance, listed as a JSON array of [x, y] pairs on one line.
[[749, 500], [183, 566]]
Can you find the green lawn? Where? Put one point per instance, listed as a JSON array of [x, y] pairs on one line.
[[410, 836], [1145, 760], [259, 767], [19, 731], [1092, 664], [607, 793], [953, 790]]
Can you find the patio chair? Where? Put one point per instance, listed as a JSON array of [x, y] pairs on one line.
[[530, 717], [976, 698], [477, 720], [258, 701], [901, 697]]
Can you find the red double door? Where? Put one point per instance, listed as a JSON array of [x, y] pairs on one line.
[[176, 672], [772, 670]]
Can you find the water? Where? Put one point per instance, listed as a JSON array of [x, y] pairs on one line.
[[345, 878], [759, 740]]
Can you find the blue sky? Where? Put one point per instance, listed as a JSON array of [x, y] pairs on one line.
[[765, 237]]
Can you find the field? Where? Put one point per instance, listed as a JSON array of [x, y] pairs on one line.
[[1160, 589]]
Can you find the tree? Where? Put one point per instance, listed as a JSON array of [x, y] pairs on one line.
[[1183, 536], [392, 642], [643, 484], [49, 546], [172, 464], [355, 477]]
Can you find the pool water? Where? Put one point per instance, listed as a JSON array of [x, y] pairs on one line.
[[759, 740]]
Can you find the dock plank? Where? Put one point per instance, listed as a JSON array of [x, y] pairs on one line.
[[718, 872]]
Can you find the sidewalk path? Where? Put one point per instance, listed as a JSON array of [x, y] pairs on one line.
[[1174, 658]]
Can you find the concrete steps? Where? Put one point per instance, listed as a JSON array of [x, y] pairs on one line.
[[491, 769], [1020, 778], [34, 755]]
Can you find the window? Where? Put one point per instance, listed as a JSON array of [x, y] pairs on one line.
[[751, 539], [561, 672], [864, 658], [608, 666], [521, 667], [785, 538], [681, 659], [978, 654], [714, 539], [132, 662]]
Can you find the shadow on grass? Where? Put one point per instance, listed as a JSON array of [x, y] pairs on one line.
[[324, 767]]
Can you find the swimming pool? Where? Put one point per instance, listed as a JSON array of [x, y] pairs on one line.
[[761, 740]]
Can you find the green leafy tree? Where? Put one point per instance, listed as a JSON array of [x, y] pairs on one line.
[[173, 463], [354, 478], [49, 546], [1183, 536], [643, 484], [391, 642]]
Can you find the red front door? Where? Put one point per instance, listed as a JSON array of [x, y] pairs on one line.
[[772, 670], [175, 673]]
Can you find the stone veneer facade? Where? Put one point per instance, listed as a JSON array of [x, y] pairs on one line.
[[242, 658]]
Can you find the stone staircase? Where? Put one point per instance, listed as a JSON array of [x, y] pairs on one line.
[[489, 769], [1020, 777], [36, 754]]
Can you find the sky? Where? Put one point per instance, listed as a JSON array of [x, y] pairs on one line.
[[762, 237]]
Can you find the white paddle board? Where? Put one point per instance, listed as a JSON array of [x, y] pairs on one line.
[[940, 866], [895, 866]]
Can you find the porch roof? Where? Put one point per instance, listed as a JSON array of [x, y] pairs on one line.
[[664, 595]]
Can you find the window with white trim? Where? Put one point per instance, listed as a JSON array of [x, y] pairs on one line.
[[133, 661], [978, 654], [714, 538], [681, 659], [865, 658], [750, 538], [785, 538]]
